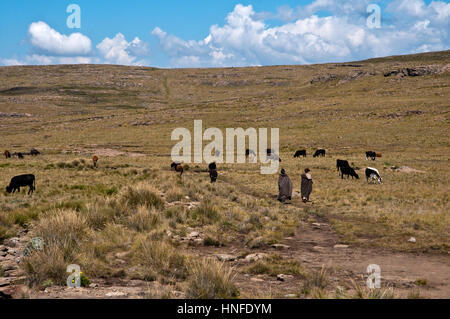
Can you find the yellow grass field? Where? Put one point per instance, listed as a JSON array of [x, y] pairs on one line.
[[137, 227]]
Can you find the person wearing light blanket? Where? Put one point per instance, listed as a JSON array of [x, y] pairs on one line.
[[306, 185]]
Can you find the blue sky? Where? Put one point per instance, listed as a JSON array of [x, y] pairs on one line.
[[210, 33]]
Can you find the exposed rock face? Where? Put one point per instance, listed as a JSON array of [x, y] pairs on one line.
[[225, 257], [342, 78], [280, 246], [417, 71], [255, 257], [340, 246]]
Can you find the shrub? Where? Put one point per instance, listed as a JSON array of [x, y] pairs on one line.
[[367, 293], [84, 281], [48, 264], [64, 229], [141, 194], [174, 195], [144, 219], [160, 257], [176, 214], [274, 265], [98, 215], [205, 213], [210, 279]]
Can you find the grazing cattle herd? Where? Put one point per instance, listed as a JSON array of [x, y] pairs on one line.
[[343, 167]]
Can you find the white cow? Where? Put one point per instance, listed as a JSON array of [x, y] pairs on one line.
[[373, 175]]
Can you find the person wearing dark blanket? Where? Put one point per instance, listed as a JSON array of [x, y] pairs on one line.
[[284, 187], [306, 185]]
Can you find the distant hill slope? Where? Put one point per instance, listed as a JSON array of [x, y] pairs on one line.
[[143, 87], [301, 99]]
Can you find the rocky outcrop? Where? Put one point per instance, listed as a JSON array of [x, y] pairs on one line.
[[417, 71]]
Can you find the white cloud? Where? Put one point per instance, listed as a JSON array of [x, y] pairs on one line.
[[246, 39], [304, 36], [37, 59], [11, 62], [47, 59], [49, 41], [51, 47], [117, 50]]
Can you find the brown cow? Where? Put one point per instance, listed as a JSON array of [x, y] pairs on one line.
[[378, 154], [178, 167], [95, 160], [7, 154]]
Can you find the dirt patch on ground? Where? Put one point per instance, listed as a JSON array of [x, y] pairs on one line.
[[406, 169], [104, 152]]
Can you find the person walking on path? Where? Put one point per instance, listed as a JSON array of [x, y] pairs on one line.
[[284, 187], [306, 185]]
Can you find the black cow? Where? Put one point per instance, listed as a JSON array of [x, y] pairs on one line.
[[373, 175], [370, 154], [269, 151], [319, 152], [341, 163], [22, 181], [20, 155], [347, 170], [300, 153], [34, 152]]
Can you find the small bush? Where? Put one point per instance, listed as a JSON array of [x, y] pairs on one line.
[[175, 214], [99, 215], [44, 265], [141, 195], [210, 279], [379, 293], [84, 281], [160, 257], [144, 219], [174, 195], [421, 282], [275, 265], [64, 229], [206, 213]]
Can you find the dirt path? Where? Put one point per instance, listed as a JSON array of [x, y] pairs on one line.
[[314, 247], [314, 244]]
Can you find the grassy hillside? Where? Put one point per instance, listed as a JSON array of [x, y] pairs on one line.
[[134, 206]]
